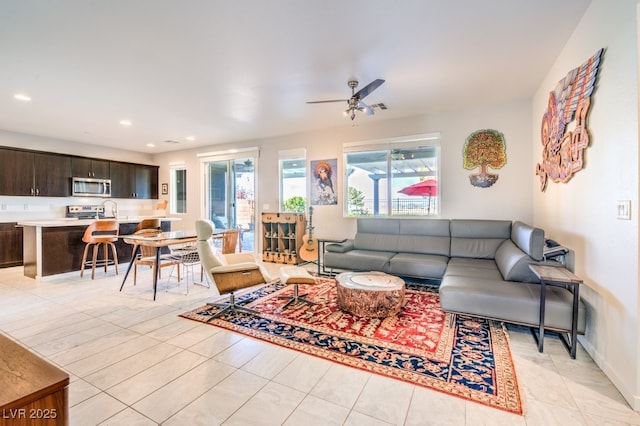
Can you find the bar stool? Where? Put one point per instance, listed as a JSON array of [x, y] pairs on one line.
[[152, 223], [100, 233]]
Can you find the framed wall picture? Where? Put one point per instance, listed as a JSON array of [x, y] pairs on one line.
[[165, 188], [323, 182]]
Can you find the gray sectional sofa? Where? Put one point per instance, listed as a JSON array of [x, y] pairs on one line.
[[482, 266]]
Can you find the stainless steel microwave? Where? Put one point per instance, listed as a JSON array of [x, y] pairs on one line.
[[90, 187]]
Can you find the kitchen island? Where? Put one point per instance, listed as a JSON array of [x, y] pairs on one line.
[[55, 246]]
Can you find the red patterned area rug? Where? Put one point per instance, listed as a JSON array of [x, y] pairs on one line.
[[456, 354]]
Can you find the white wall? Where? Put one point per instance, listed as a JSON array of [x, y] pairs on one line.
[[509, 198], [582, 213], [14, 209]]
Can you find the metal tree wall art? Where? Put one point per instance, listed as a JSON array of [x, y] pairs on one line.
[[484, 148], [562, 152]]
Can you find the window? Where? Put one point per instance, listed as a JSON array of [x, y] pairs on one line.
[[178, 189], [397, 177], [293, 182]]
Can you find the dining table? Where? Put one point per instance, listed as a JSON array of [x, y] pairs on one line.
[[158, 241]]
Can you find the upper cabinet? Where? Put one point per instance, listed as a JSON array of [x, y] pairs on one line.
[[52, 175], [146, 181], [16, 172], [36, 173], [27, 173], [90, 167], [134, 180]]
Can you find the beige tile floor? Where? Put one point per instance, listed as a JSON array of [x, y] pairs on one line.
[[133, 361]]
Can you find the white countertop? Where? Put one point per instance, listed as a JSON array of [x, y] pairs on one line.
[[69, 221]]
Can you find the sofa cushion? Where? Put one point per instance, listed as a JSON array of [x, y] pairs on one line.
[[426, 236], [377, 234], [508, 301], [473, 268], [513, 263], [418, 265], [529, 239], [381, 242], [378, 226], [359, 260], [478, 238]]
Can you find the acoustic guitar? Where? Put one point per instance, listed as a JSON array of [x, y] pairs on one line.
[[309, 249]]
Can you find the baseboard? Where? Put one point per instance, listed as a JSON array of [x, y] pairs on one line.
[[632, 399]]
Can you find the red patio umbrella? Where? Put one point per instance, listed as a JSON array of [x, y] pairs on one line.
[[426, 188]]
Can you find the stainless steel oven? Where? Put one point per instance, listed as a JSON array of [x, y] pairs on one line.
[[90, 187]]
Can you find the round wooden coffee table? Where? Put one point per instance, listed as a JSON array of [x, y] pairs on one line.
[[370, 294]]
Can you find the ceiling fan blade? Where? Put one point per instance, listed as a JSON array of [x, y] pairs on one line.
[[330, 100], [366, 90]]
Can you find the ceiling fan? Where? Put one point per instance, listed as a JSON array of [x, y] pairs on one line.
[[354, 103]]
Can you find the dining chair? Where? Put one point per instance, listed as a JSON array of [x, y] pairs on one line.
[[230, 240], [187, 257], [147, 256]]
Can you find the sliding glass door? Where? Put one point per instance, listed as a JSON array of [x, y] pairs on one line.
[[229, 196]]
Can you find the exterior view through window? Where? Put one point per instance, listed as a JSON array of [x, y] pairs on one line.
[[393, 178], [230, 191], [293, 180], [178, 190]]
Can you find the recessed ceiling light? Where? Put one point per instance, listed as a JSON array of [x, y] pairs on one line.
[[151, 145], [22, 97], [191, 138], [126, 122]]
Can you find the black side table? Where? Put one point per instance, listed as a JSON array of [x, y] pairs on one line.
[[561, 277], [321, 243]]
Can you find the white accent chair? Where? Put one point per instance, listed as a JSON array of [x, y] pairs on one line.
[[230, 272]]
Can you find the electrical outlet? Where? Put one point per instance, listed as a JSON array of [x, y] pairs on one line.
[[624, 209]]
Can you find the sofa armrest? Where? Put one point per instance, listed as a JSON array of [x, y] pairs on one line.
[[513, 263], [340, 247], [529, 239]]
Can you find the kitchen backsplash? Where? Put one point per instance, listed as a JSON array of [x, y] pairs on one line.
[[15, 209]]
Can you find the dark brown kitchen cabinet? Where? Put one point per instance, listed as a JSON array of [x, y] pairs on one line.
[[146, 181], [52, 175], [11, 247], [90, 167], [27, 173], [134, 180], [16, 172]]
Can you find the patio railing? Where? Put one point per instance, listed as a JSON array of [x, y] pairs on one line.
[[399, 207]]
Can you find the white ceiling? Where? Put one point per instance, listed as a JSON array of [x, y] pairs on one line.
[[225, 71]]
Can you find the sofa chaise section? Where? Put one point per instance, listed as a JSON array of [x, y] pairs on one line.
[[501, 285]]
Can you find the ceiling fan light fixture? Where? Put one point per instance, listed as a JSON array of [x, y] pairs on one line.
[[354, 103]]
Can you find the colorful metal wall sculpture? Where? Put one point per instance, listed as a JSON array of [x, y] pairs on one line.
[[484, 148], [562, 152]]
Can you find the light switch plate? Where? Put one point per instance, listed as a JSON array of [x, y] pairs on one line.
[[624, 209]]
